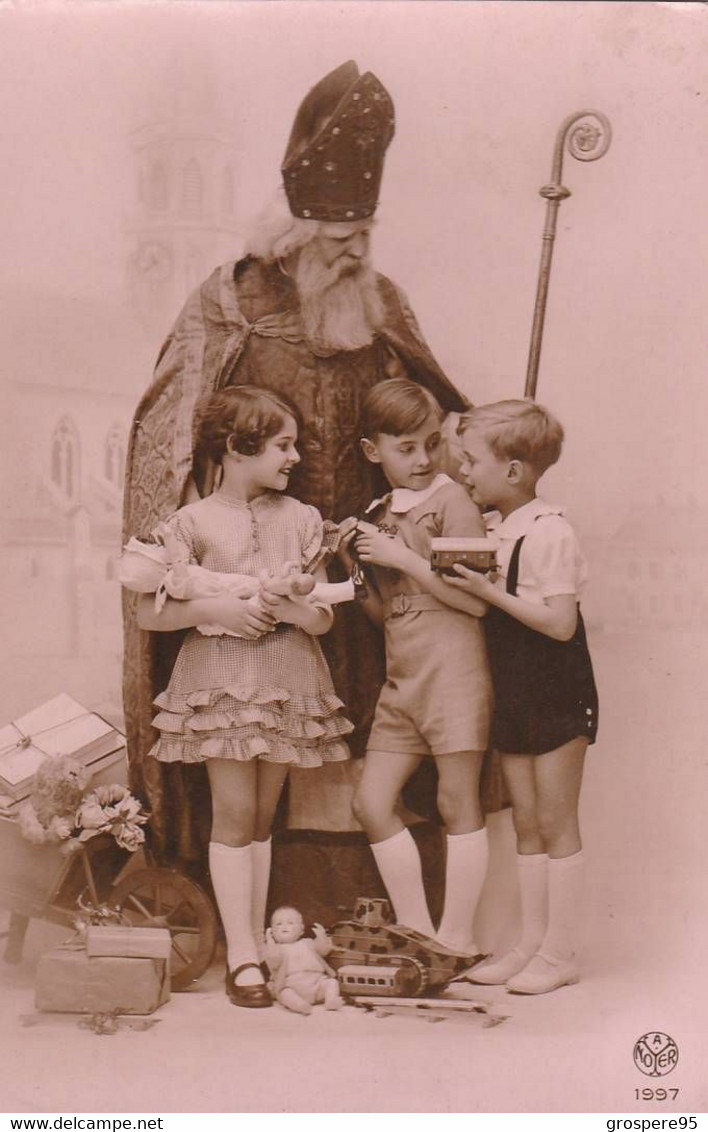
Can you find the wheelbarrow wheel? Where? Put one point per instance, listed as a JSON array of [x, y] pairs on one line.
[[165, 898]]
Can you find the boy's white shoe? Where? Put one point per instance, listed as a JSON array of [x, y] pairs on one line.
[[500, 970], [544, 973]]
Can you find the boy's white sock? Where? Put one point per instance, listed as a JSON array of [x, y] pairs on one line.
[[398, 862], [231, 872], [465, 870], [533, 890], [566, 876], [261, 852]]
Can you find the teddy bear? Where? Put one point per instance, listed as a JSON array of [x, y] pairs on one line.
[[49, 814]]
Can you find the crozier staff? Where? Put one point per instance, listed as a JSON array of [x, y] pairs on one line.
[[305, 314]]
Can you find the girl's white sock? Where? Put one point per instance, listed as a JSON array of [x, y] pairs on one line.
[[566, 876], [231, 871], [465, 870], [261, 852], [398, 862]]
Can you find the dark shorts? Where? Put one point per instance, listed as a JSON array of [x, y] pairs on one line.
[[544, 690]]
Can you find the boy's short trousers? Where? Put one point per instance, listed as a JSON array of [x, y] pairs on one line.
[[449, 715]]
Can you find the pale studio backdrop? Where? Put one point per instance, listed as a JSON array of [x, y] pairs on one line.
[[136, 141]]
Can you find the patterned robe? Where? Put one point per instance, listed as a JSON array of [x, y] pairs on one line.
[[242, 326]]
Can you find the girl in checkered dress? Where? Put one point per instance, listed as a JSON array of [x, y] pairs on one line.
[[248, 706]]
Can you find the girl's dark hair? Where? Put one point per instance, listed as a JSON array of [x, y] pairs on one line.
[[396, 406], [247, 414]]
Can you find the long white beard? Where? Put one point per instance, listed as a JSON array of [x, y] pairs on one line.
[[340, 305]]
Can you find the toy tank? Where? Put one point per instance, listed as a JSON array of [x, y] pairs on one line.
[[372, 955]]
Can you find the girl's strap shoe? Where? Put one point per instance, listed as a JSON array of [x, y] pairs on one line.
[[255, 995]]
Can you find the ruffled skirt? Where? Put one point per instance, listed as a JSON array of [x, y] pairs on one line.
[[229, 698]]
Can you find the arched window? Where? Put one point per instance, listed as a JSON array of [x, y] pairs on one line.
[[65, 459], [227, 190], [114, 456], [158, 186], [192, 187]]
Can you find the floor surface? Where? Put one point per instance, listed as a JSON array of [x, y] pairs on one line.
[[642, 952]]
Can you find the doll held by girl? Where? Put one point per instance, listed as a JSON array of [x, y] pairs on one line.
[[252, 705], [163, 568]]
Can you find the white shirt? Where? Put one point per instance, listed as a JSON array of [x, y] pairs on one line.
[[551, 560]]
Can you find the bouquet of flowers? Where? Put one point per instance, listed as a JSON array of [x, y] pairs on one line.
[[114, 810], [62, 809]]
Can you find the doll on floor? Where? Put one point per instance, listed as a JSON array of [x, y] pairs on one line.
[[300, 977]]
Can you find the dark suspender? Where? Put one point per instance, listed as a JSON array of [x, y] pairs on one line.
[[512, 576]]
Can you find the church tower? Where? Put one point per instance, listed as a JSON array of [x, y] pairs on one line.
[[184, 215]]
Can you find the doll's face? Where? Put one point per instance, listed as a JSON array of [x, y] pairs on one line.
[[287, 925]]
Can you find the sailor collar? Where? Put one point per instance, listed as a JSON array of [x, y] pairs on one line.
[[404, 499], [520, 522]]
